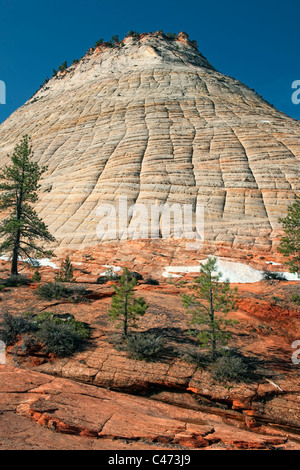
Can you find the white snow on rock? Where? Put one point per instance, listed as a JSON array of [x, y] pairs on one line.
[[169, 274], [234, 271], [115, 269], [38, 262]]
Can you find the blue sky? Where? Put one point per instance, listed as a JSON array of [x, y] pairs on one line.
[[256, 42]]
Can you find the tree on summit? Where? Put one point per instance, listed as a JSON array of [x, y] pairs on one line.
[[19, 183]]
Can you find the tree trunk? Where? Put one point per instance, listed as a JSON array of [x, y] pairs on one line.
[[213, 333], [14, 261], [125, 317]]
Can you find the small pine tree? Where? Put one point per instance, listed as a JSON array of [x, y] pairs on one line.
[[99, 42], [63, 66], [115, 39], [18, 191], [211, 296], [123, 303], [36, 276], [66, 271], [290, 242]]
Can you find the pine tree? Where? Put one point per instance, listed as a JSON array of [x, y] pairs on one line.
[[123, 303], [63, 67], [18, 190], [211, 296], [290, 242], [66, 271]]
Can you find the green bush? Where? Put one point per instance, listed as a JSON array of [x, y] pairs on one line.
[[17, 281], [60, 334], [56, 290], [13, 326], [36, 276], [230, 368], [296, 299], [145, 346], [194, 356], [59, 338]]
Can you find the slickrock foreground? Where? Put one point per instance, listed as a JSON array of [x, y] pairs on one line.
[[36, 409], [103, 398], [152, 120]]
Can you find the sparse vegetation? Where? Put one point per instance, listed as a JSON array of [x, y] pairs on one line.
[[59, 339], [57, 290], [13, 326], [17, 280], [58, 336], [133, 34], [211, 296], [172, 36], [295, 299], [99, 42], [36, 276], [123, 305], [65, 273], [63, 66], [230, 368], [145, 346], [195, 356]]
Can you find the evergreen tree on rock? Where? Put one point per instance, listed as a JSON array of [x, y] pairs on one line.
[[22, 228]]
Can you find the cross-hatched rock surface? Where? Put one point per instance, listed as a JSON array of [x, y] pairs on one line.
[[152, 120]]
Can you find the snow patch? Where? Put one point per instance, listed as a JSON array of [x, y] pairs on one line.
[[233, 271], [115, 269], [38, 262]]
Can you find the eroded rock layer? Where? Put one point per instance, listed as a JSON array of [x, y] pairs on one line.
[[152, 120]]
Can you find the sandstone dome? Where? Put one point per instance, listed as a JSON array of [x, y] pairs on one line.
[[151, 118]]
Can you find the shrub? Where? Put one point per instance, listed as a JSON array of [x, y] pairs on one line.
[[30, 344], [13, 326], [59, 338], [230, 368], [60, 334], [17, 281], [194, 356], [36, 276], [78, 327], [145, 346], [56, 290], [296, 299], [151, 281]]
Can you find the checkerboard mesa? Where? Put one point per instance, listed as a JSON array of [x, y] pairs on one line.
[[149, 118]]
